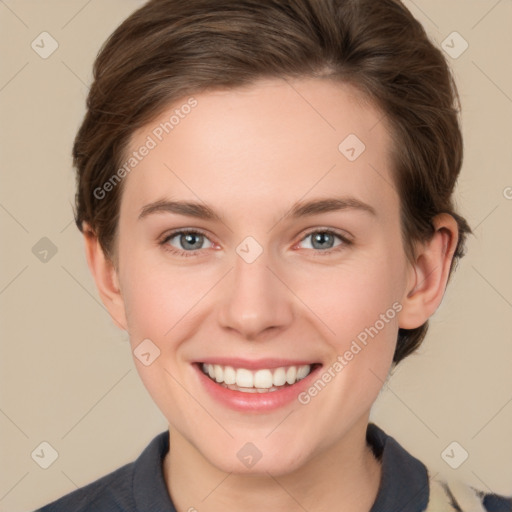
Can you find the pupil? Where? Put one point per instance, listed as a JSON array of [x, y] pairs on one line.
[[321, 238], [189, 239]]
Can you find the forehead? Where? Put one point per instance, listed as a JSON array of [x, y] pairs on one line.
[[269, 144]]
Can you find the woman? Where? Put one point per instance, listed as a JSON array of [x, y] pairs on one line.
[[265, 192]]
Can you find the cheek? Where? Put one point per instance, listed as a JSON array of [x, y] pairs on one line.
[[353, 295], [356, 305], [155, 302], [360, 306], [156, 296], [148, 301]]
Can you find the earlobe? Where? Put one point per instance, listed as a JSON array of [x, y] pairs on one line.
[[429, 274], [105, 277]]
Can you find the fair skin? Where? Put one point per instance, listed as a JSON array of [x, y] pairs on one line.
[[250, 155]]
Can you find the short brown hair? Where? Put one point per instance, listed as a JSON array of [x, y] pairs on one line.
[[169, 49]]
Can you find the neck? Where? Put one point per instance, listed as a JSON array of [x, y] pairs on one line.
[[344, 476]]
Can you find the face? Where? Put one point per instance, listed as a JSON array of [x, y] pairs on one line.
[[287, 283]]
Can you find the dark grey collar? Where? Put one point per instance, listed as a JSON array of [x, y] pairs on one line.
[[404, 485]]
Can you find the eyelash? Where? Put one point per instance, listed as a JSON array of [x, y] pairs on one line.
[[170, 236]]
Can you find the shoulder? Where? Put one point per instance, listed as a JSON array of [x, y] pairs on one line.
[[407, 484], [110, 493], [451, 495], [135, 486]]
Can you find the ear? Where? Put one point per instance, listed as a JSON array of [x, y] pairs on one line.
[[106, 278], [429, 274]]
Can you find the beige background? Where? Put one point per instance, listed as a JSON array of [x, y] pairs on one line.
[[67, 376]]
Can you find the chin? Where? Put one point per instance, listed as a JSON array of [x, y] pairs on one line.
[[261, 459]]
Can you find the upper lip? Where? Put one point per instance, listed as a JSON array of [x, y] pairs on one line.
[[256, 364]]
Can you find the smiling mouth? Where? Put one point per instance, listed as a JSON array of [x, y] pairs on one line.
[[256, 381]]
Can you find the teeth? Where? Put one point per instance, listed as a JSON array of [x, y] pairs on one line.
[[249, 390], [244, 378], [229, 375], [279, 377], [291, 375], [259, 381], [302, 372], [263, 379]]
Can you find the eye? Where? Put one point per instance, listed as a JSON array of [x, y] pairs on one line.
[[189, 242], [324, 239], [185, 242]]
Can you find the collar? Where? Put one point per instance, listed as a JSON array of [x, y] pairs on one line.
[[404, 484]]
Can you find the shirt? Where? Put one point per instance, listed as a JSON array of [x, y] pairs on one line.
[[405, 486]]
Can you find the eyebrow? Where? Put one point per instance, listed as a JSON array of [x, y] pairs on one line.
[[298, 210]]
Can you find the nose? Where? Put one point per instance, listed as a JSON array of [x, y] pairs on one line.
[[255, 299]]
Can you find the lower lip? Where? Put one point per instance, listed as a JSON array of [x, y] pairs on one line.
[[256, 402]]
